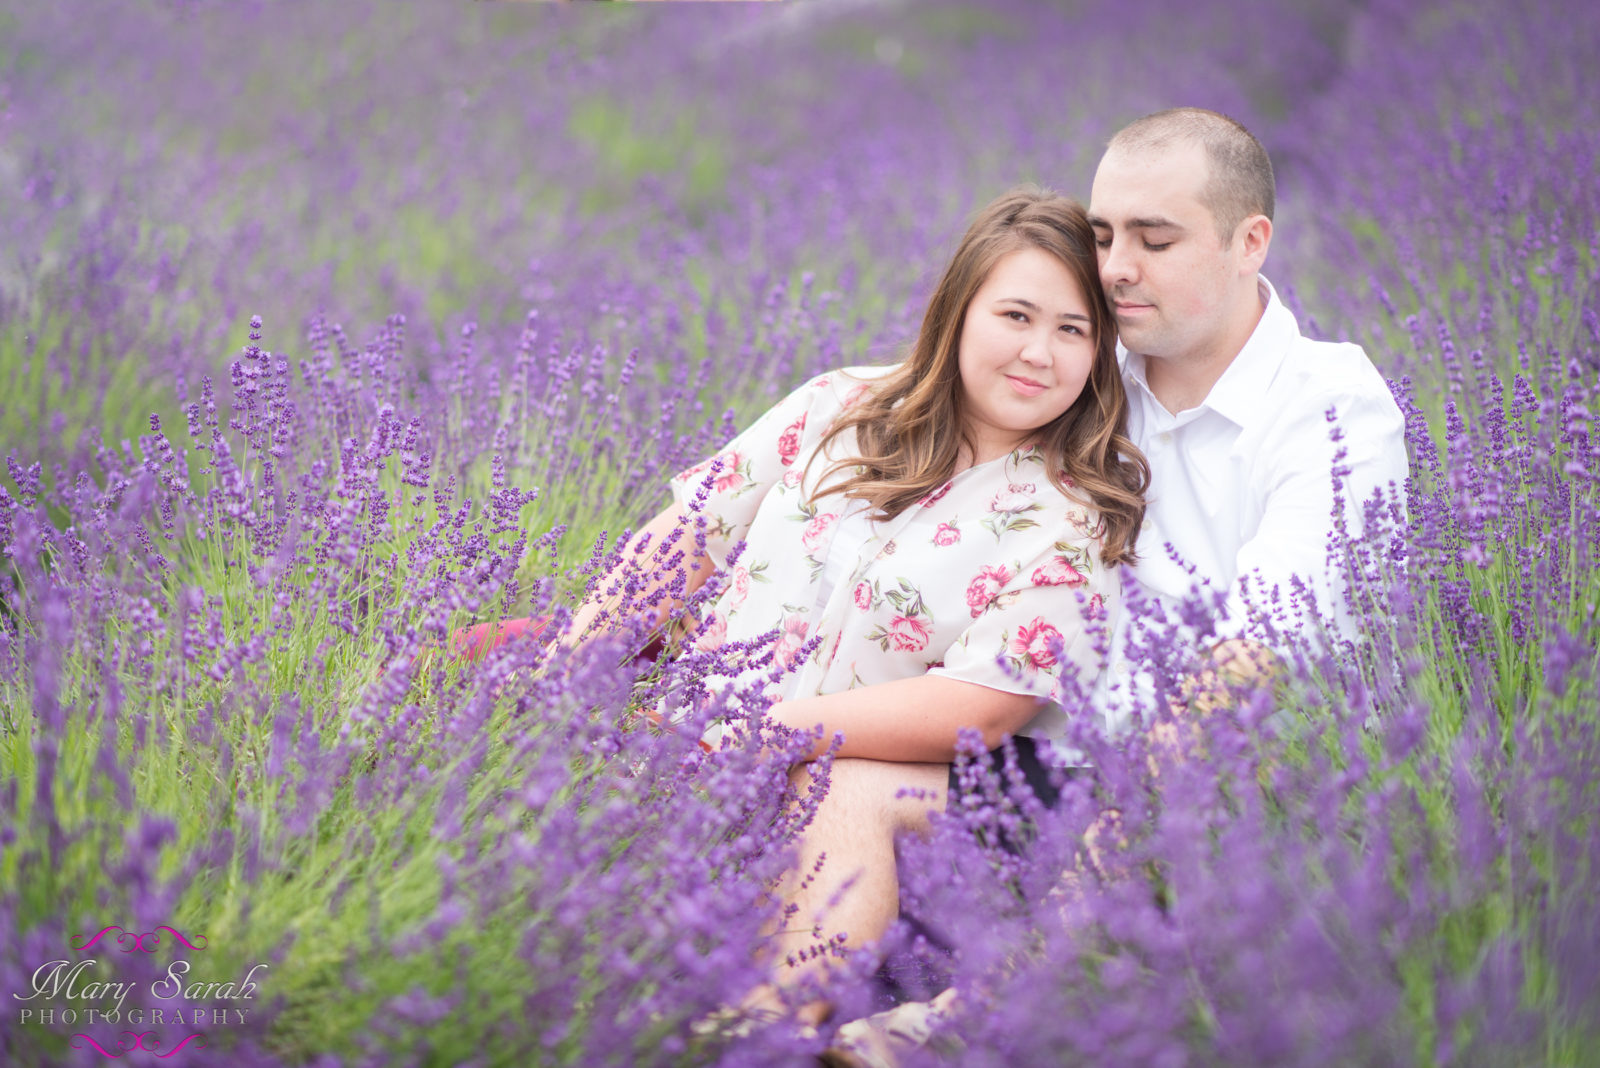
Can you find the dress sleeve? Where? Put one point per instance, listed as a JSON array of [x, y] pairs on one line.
[[728, 487], [1047, 629]]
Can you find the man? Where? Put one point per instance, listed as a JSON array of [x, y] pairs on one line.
[[1235, 411]]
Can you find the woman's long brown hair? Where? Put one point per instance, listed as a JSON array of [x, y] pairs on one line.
[[910, 427]]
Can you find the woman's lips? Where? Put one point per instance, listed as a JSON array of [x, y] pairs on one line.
[[1025, 386]]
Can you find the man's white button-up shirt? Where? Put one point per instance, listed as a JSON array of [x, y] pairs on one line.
[[1241, 488]]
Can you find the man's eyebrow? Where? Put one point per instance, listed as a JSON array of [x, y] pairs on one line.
[[1150, 222], [1031, 306]]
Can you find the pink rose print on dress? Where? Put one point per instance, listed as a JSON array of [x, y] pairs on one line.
[[907, 634], [789, 642], [811, 538], [1008, 507], [714, 635], [693, 474], [789, 440], [863, 595], [791, 478], [1016, 497], [1032, 644], [908, 628], [729, 478], [937, 495], [856, 394], [1058, 571], [741, 586], [982, 589], [947, 534]]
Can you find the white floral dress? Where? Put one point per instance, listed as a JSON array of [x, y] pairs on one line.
[[994, 578]]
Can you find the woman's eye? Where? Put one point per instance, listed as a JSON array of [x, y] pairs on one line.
[[1016, 316], [1069, 328]]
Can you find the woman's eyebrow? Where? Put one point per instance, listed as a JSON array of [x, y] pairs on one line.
[[1031, 306]]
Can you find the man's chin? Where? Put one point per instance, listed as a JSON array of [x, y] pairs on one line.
[[1134, 337]]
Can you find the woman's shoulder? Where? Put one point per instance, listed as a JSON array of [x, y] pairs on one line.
[[1074, 513], [846, 385], [819, 401]]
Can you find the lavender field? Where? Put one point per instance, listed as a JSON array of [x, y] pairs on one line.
[[326, 329]]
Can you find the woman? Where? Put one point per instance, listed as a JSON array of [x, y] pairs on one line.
[[934, 544]]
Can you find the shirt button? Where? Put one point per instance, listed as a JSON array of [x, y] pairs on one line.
[[1122, 667], [1165, 437]]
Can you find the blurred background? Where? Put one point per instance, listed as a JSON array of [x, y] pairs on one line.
[[515, 264], [756, 184]]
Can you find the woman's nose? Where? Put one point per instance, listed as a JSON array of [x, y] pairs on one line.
[[1036, 349]]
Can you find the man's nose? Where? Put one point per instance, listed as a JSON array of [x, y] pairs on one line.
[[1116, 265]]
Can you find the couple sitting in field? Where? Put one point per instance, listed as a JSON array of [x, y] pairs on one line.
[[946, 543]]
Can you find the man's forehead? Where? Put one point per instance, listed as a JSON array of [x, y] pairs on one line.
[[1166, 155], [1142, 186]]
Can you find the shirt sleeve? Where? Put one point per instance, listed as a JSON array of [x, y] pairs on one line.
[[1290, 552], [728, 487], [1047, 629]]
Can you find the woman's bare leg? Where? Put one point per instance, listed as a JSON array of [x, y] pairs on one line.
[[856, 892]]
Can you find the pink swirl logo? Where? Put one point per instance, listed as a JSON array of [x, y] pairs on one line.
[[130, 1041], [131, 942]]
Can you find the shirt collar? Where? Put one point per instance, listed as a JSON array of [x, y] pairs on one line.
[[1240, 394], [1132, 365]]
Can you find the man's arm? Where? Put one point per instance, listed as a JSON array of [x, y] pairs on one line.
[[1294, 547], [1360, 436]]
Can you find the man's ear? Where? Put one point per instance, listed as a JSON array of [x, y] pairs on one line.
[[1255, 235]]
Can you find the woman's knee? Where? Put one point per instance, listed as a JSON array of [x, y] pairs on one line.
[[903, 794]]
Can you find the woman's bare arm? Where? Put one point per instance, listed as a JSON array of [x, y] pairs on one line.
[[647, 570], [909, 720]]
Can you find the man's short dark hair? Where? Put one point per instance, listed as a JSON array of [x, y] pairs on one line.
[[1241, 182]]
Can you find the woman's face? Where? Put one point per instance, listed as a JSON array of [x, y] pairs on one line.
[[1026, 350]]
